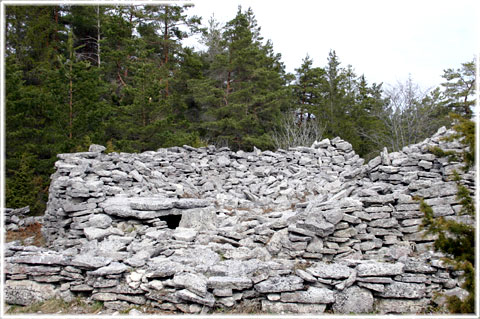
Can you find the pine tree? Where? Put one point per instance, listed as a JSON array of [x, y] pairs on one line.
[[455, 239], [460, 88]]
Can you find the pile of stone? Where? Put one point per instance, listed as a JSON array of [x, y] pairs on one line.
[[196, 279], [16, 219], [192, 230]]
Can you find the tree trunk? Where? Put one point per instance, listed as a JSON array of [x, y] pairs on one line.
[[229, 80], [70, 82], [98, 37], [56, 28], [70, 102], [165, 48]]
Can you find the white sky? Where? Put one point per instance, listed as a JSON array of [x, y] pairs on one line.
[[384, 39]]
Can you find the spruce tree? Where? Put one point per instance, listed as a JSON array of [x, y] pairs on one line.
[[307, 90], [23, 188], [249, 91]]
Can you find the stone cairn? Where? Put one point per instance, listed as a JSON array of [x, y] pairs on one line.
[[192, 230]]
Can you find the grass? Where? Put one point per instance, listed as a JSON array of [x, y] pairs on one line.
[[34, 230], [267, 210], [58, 306], [302, 265], [245, 307]]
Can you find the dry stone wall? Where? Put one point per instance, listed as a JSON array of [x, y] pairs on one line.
[[306, 230]]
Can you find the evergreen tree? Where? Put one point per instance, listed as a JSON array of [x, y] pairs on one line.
[[368, 102], [460, 89], [21, 190], [252, 83], [456, 239], [34, 39], [307, 88]]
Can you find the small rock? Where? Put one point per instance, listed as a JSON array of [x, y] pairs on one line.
[[95, 148], [185, 234]]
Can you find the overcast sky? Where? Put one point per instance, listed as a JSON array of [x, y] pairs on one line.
[[385, 40]]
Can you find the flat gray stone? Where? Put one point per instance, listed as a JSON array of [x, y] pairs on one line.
[[70, 207], [292, 308], [353, 300], [208, 300], [196, 283], [41, 258], [312, 295], [99, 221], [319, 227], [333, 216], [95, 148], [104, 296], [305, 275], [384, 223], [93, 233], [223, 292], [373, 287], [440, 189], [400, 306], [334, 271], [152, 203], [376, 280], [125, 212], [418, 265], [188, 203], [344, 146], [223, 161], [379, 269], [221, 282], [111, 269], [90, 261], [185, 234], [164, 268], [280, 284], [15, 269], [136, 176], [199, 218], [379, 199], [81, 288], [26, 292], [404, 290]]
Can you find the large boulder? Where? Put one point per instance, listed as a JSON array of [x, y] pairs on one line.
[[353, 300], [27, 292]]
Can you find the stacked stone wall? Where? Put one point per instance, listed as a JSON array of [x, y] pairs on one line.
[[306, 230]]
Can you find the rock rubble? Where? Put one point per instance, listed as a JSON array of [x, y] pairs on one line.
[[303, 230]]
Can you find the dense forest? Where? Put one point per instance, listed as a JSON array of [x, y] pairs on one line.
[[121, 76]]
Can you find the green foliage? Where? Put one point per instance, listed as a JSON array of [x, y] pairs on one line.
[[246, 92], [438, 152], [457, 240], [20, 188], [121, 76], [460, 89], [465, 129]]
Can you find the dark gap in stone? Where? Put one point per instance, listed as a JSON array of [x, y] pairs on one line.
[[172, 220]]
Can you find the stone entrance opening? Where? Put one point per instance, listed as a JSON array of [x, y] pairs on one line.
[[172, 220]]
